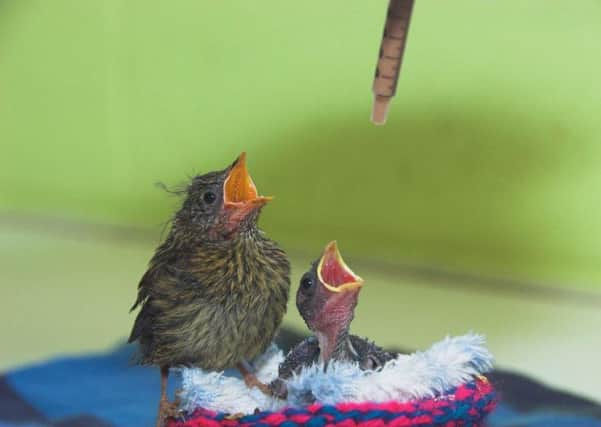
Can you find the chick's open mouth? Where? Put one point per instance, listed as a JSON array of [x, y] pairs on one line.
[[333, 272], [239, 188]]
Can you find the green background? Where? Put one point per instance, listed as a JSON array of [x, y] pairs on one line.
[[488, 166]]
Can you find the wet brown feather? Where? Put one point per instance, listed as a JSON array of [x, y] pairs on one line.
[[212, 305]]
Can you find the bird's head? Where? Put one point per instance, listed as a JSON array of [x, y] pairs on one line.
[[219, 204], [327, 297]]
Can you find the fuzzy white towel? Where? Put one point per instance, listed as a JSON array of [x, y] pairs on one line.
[[447, 364]]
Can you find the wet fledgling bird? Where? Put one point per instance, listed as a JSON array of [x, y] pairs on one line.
[[326, 299], [217, 288]]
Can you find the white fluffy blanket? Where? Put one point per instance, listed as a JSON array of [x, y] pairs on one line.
[[448, 363]]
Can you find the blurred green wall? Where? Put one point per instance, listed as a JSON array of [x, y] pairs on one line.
[[489, 162]]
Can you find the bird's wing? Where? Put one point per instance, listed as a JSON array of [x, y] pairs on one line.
[[370, 355], [161, 288], [144, 288], [303, 354]]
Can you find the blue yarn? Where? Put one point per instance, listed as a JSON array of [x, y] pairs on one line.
[[374, 414], [252, 418], [422, 412], [329, 410], [319, 421], [347, 415], [462, 409], [295, 411], [447, 415]]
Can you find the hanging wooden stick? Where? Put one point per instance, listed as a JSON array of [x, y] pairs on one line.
[[391, 57]]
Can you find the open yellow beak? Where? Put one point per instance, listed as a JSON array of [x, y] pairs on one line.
[[239, 188], [333, 272]]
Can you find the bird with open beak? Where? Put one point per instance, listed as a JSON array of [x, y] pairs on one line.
[[326, 299], [216, 289]]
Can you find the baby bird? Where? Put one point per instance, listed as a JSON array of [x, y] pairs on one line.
[[216, 289], [326, 299]]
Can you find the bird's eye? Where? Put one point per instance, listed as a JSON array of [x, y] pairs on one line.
[[306, 282], [209, 197]]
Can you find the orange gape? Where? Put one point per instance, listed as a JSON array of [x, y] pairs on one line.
[[239, 187], [391, 57]]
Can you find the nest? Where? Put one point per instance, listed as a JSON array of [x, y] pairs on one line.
[[443, 386]]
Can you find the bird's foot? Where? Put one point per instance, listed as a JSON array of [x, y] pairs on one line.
[[178, 398], [234, 417], [252, 381], [278, 389], [167, 410]]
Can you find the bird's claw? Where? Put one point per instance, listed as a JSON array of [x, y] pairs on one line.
[[167, 410], [278, 389], [234, 417], [252, 381], [265, 389]]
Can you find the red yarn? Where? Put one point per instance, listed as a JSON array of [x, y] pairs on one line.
[[275, 418], [402, 421], [300, 418]]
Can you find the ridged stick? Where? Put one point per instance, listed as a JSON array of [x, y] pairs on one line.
[[390, 59]]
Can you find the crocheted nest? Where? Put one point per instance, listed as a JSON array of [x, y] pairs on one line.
[[467, 405], [443, 386]]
